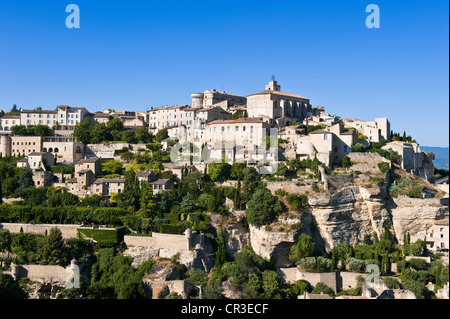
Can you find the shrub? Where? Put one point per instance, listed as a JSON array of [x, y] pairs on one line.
[[417, 264], [346, 162], [384, 167], [355, 265], [322, 288], [308, 264], [392, 283]]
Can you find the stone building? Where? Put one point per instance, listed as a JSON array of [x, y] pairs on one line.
[[66, 150], [39, 160], [374, 130], [161, 185], [229, 138], [329, 145], [5, 144], [413, 159], [24, 145], [211, 97], [439, 237], [7, 121], [278, 107], [38, 117]]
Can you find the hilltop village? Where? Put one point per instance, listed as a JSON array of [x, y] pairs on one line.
[[263, 196]]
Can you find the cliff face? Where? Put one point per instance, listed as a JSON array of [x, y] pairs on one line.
[[271, 244], [348, 215], [416, 215]]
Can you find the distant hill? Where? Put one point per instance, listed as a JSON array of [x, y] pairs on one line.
[[442, 155]]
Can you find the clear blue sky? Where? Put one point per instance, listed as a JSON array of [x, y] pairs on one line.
[[137, 54]]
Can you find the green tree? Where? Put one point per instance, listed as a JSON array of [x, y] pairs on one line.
[[270, 284], [147, 201], [384, 167], [129, 137], [162, 134], [53, 250], [25, 178], [346, 162], [196, 277], [213, 290], [302, 249], [113, 167], [263, 208], [143, 136], [10, 288], [322, 288], [187, 204]]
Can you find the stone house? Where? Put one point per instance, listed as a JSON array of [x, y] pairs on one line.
[[146, 176], [108, 186], [38, 160], [161, 185], [329, 145], [375, 130], [279, 107], [439, 237], [91, 163], [413, 159], [24, 145], [7, 121]]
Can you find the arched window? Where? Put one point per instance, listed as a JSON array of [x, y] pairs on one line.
[[56, 150], [45, 150], [50, 150]]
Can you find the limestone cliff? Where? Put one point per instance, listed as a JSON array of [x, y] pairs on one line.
[[271, 244], [416, 215], [348, 215]]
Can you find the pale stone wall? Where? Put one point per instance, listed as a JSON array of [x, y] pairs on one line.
[[366, 161], [107, 151], [67, 231], [335, 280], [44, 273], [159, 241]]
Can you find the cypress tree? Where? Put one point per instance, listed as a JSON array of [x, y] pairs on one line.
[[333, 259], [318, 265]]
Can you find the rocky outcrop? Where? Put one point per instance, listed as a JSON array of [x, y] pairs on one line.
[[272, 245], [236, 237], [348, 215], [416, 215]]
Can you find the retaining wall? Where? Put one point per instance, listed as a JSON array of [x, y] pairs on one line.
[[67, 231]]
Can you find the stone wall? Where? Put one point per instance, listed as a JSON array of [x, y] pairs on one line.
[[44, 273], [159, 241], [366, 161], [67, 231], [107, 151], [335, 280]]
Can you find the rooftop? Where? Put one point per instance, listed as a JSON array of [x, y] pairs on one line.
[[441, 222], [238, 121], [88, 160], [280, 93], [109, 180], [160, 182]]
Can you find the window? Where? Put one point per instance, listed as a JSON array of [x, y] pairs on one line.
[[237, 128], [325, 138]]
